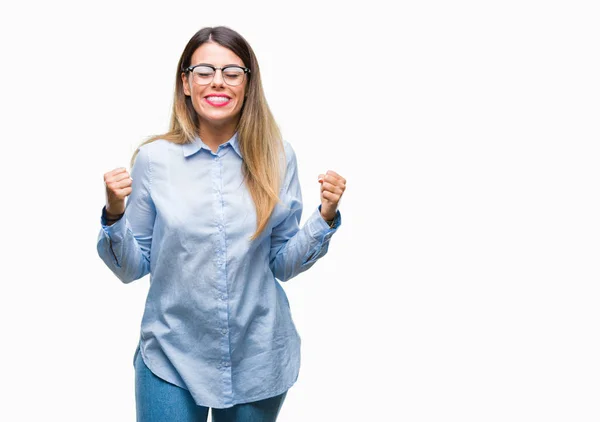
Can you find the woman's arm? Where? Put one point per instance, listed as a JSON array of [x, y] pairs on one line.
[[295, 249], [124, 245]]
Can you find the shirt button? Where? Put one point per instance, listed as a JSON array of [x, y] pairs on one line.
[[224, 330], [225, 364], [222, 297], [220, 227]]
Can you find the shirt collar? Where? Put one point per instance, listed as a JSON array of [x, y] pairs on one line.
[[197, 144]]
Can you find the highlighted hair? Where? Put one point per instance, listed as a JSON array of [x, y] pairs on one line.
[[259, 137]]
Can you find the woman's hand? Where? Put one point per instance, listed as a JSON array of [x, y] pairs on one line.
[[118, 187], [332, 188]]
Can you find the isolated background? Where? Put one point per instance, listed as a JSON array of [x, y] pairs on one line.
[[463, 284]]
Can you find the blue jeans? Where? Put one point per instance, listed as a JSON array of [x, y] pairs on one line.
[[160, 401]]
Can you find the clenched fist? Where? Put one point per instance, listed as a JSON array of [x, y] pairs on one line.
[[118, 187], [332, 188]]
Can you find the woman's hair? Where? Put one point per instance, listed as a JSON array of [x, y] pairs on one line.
[[259, 137]]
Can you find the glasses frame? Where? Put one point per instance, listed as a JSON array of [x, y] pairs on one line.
[[222, 69]]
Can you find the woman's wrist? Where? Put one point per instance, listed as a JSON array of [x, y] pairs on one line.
[[110, 216], [328, 217], [329, 221]]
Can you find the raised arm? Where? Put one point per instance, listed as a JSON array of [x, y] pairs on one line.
[[295, 249], [124, 245]]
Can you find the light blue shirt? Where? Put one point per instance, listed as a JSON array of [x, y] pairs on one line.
[[216, 321]]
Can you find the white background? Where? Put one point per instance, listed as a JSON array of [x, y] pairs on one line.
[[463, 284]]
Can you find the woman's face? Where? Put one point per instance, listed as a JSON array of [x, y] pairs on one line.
[[216, 103]]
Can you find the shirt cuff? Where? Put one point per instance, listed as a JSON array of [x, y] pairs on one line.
[[319, 227], [115, 230]]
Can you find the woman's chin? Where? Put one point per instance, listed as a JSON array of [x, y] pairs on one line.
[[219, 119]]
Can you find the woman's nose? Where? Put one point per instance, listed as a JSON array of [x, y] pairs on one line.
[[218, 78]]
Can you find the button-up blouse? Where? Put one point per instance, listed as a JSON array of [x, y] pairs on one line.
[[216, 321]]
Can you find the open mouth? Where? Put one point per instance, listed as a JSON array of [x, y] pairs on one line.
[[217, 101]]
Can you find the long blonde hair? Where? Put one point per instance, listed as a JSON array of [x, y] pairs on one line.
[[259, 137]]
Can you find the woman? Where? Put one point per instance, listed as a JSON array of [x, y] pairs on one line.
[[212, 214]]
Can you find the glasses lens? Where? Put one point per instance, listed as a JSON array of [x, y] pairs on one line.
[[203, 75], [233, 75]]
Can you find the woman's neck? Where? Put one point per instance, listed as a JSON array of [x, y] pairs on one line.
[[213, 136]]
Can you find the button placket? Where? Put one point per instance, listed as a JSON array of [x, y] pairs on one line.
[[220, 260]]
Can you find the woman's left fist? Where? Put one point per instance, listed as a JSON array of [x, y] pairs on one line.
[[332, 188]]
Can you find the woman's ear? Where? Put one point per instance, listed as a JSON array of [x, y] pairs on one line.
[[186, 85]]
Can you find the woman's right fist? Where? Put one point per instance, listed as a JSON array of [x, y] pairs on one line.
[[118, 187]]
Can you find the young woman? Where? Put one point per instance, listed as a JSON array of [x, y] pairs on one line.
[[213, 212]]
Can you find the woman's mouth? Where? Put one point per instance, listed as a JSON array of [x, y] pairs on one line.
[[217, 100]]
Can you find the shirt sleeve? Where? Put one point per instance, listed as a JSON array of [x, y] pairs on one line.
[[295, 249], [125, 246]]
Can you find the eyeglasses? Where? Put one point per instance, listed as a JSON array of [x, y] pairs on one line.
[[203, 74]]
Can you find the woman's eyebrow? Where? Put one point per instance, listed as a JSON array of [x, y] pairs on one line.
[[227, 65]]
